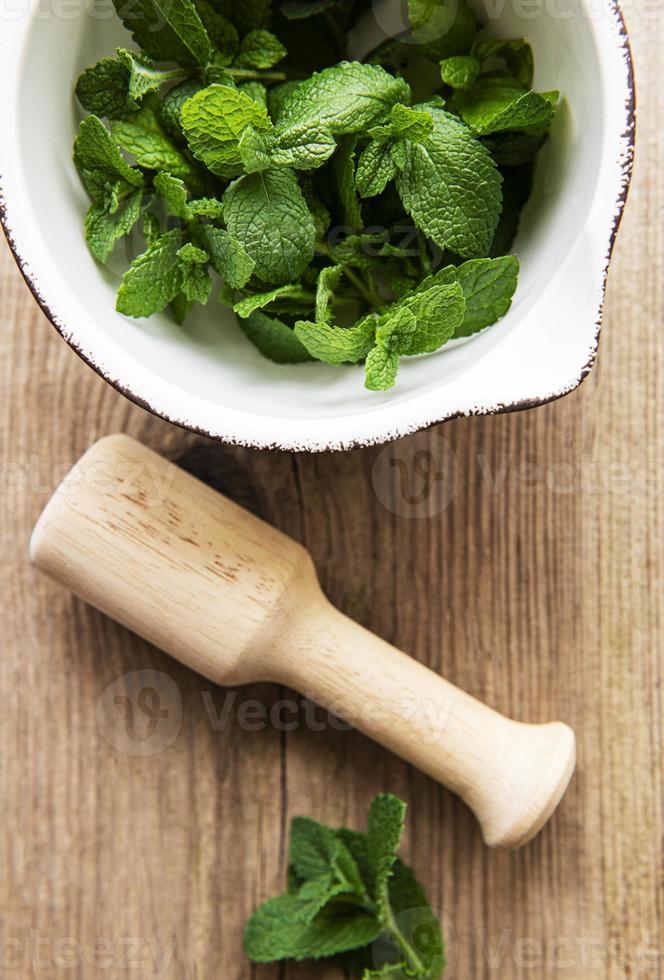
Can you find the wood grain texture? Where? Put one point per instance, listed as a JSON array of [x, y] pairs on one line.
[[532, 576]]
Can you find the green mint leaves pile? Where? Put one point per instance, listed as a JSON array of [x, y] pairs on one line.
[[350, 897], [344, 210]]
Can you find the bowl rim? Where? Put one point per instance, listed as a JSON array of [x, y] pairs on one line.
[[311, 441]]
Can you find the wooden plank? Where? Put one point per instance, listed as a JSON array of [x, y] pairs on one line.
[[532, 574]]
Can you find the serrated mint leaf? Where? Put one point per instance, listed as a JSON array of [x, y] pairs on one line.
[[276, 931], [304, 147], [143, 77], [452, 188], [337, 345], [488, 287], [228, 256], [213, 122], [497, 103], [221, 31], [258, 301], [99, 161], [174, 194], [439, 312], [103, 228], [312, 848], [387, 814], [206, 207], [254, 148], [261, 50], [274, 339], [517, 56], [375, 169], [195, 282], [142, 136], [347, 98], [153, 279], [393, 334], [460, 71], [328, 280], [104, 89], [404, 123], [167, 30], [268, 214]]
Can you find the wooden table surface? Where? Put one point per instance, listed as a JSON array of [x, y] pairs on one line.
[[532, 575]]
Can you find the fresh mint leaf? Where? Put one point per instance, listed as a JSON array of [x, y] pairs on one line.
[[104, 89], [515, 149], [388, 813], [142, 136], [439, 312], [213, 121], [99, 162], [143, 77], [276, 931], [347, 98], [517, 56], [375, 168], [258, 301], [488, 287], [337, 345], [261, 50], [328, 280], [393, 337], [404, 123], [268, 214], [228, 256], [451, 187], [104, 228], [460, 71], [497, 103], [195, 282], [304, 147], [153, 279], [274, 339], [167, 30]]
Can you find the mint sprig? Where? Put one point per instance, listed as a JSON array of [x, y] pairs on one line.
[[350, 897]]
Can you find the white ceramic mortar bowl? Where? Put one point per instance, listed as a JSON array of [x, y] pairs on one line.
[[208, 377]]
